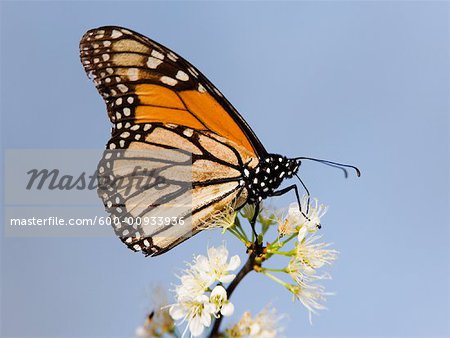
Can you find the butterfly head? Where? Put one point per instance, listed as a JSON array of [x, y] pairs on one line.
[[293, 166]]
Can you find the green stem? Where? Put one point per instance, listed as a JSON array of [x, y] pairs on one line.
[[282, 253], [288, 239], [240, 228], [276, 279], [278, 244], [274, 270], [238, 235]]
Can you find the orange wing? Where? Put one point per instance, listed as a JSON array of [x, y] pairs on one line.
[[143, 81]]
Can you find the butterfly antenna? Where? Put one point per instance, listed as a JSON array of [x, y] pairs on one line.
[[333, 164]]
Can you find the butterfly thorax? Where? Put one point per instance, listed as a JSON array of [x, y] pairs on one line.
[[267, 176]]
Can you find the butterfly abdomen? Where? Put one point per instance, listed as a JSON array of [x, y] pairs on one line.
[[264, 179]]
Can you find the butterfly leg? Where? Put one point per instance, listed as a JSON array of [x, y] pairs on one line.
[[258, 247], [253, 221], [295, 188]]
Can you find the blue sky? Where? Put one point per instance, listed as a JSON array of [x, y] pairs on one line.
[[359, 82]]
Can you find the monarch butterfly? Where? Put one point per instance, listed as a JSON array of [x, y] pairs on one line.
[[158, 101]]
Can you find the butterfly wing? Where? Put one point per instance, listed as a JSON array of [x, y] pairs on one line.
[[143, 81], [185, 178], [171, 121]]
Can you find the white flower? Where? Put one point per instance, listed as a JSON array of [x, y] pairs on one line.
[[287, 225], [263, 325], [248, 211], [303, 269], [219, 298], [141, 332], [194, 304], [216, 266], [312, 256], [303, 274], [313, 215], [196, 310], [227, 309], [224, 219], [266, 324], [310, 295], [194, 282], [158, 322]]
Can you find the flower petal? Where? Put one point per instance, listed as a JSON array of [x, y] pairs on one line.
[[235, 261], [202, 299], [206, 319], [227, 278], [219, 291], [201, 263], [141, 332], [177, 312], [196, 327], [227, 309], [302, 233], [222, 255], [254, 329]]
